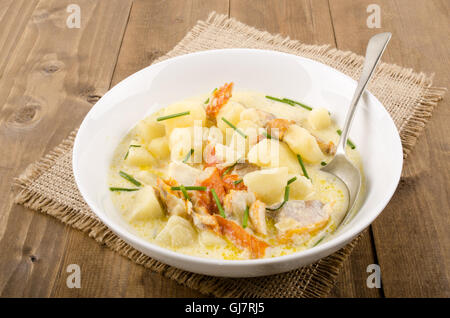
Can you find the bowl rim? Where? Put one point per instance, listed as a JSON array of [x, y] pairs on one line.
[[319, 250]]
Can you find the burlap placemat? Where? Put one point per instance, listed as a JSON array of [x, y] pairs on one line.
[[48, 185]]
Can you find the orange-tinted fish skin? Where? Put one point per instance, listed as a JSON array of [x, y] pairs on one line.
[[219, 99], [213, 181], [278, 126], [235, 233], [229, 182]]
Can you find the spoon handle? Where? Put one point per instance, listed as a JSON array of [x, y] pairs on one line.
[[374, 51]]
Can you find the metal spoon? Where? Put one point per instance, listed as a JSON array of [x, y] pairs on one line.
[[340, 165]]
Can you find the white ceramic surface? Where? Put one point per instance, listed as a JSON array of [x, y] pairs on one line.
[[275, 73]]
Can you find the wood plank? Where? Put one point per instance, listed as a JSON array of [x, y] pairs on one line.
[[154, 27], [352, 279], [411, 235], [309, 21], [14, 15], [46, 88]]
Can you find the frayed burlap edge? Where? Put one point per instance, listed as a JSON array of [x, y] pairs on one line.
[[323, 273]]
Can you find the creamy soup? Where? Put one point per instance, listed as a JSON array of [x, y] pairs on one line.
[[231, 175]]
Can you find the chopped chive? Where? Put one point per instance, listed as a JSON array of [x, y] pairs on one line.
[[238, 181], [323, 163], [188, 155], [172, 116], [277, 208], [286, 198], [219, 206], [289, 102], [286, 193], [300, 161], [297, 103], [234, 127], [123, 189], [268, 136], [189, 188], [229, 168], [280, 100], [185, 194], [319, 241], [349, 142], [128, 151], [291, 180], [245, 219], [207, 101], [129, 178]]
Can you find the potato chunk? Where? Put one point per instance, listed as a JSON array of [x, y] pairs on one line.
[[300, 188], [319, 118], [183, 173], [231, 112], [210, 239], [197, 113], [149, 129], [159, 147], [178, 232], [243, 144], [146, 205], [268, 185], [273, 154], [180, 143], [139, 157], [303, 143]]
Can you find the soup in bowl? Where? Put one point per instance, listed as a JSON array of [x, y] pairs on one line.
[[223, 178]]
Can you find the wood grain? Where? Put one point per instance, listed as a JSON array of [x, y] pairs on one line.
[[411, 235], [46, 88], [154, 27], [309, 22], [51, 75]]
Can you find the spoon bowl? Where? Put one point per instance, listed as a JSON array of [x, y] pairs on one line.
[[340, 165]]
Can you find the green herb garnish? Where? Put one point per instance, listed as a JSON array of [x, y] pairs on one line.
[[286, 193], [188, 155], [280, 100], [238, 181], [323, 163], [207, 101], [286, 198], [234, 127], [297, 103], [189, 188], [123, 189], [172, 116], [268, 136], [319, 241], [185, 194], [129, 178], [245, 219], [288, 101], [128, 151], [277, 208], [349, 142], [229, 168], [300, 161], [214, 90], [291, 180], [219, 206]]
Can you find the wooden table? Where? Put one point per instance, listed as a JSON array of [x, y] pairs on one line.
[[50, 76]]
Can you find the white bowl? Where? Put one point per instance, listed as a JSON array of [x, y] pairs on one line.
[[274, 73]]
